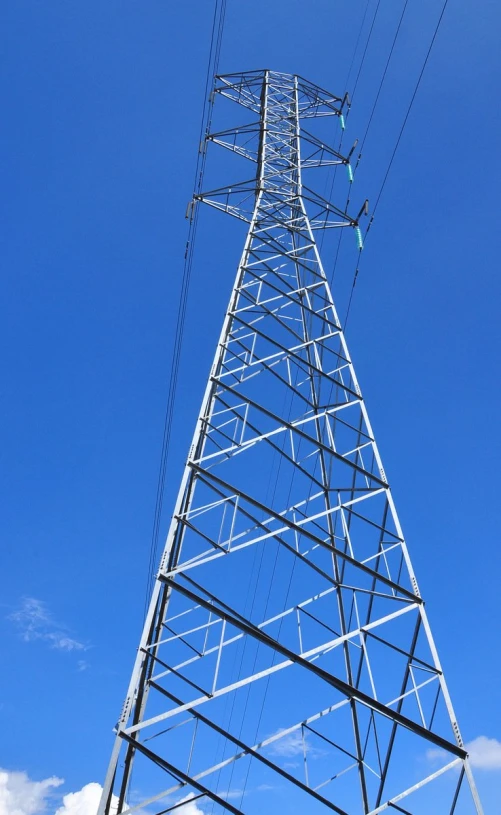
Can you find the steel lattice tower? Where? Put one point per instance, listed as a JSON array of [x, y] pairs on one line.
[[286, 662]]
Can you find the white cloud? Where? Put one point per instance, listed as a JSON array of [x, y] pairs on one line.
[[485, 753], [189, 808], [35, 622], [19, 795], [85, 801]]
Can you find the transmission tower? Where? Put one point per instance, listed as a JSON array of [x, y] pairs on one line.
[[286, 663]]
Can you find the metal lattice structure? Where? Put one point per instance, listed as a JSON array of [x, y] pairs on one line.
[[286, 662]]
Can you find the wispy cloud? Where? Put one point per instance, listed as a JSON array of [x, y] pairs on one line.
[[288, 746], [484, 753], [35, 622], [234, 793], [292, 745]]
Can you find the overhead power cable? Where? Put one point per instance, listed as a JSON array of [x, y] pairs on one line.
[[383, 78], [399, 139], [356, 44], [212, 68], [406, 117], [369, 37], [374, 106]]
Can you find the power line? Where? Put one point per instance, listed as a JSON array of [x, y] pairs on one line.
[[369, 37], [385, 71], [406, 117], [399, 137], [212, 67], [395, 38], [356, 44]]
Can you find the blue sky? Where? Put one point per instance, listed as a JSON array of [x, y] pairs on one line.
[[101, 106]]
